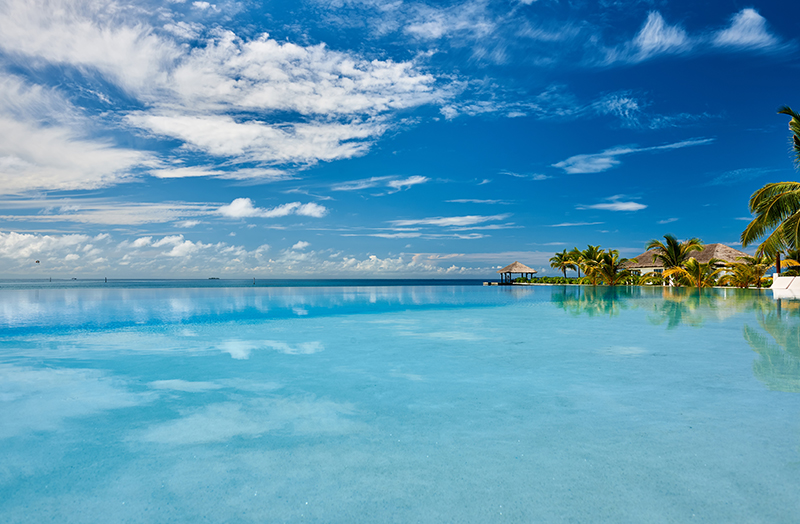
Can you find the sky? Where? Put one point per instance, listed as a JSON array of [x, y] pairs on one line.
[[381, 138]]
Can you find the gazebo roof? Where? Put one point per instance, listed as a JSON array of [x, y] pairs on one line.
[[720, 251], [516, 267]]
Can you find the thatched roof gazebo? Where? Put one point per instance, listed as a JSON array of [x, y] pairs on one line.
[[516, 267]]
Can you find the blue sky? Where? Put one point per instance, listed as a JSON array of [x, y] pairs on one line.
[[380, 138]]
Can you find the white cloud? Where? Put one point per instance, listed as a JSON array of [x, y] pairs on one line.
[[667, 221], [244, 208], [657, 37], [25, 246], [475, 201], [256, 141], [615, 203], [175, 255], [468, 220], [468, 19], [748, 29], [300, 245], [599, 162], [393, 183], [575, 224], [142, 242], [407, 182], [44, 145], [223, 97]]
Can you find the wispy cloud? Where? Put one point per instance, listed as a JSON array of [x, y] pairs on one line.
[[615, 203], [736, 176], [574, 224], [747, 29], [667, 221], [599, 162], [461, 221], [476, 201], [392, 182]]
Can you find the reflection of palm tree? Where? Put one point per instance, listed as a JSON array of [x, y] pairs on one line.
[[593, 301], [778, 366]]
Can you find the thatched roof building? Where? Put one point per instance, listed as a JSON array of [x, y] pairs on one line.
[[645, 262], [516, 267]]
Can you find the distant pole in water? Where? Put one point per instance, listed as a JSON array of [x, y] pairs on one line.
[[106, 280], [254, 281]]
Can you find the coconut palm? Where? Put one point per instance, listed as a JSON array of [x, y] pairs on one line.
[[611, 269], [672, 253], [739, 275], [562, 262], [759, 265], [590, 260], [575, 256], [776, 208], [695, 274], [750, 271]]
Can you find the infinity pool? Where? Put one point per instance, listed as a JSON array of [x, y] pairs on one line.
[[461, 404]]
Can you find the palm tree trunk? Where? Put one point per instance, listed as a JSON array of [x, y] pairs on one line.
[[778, 263]]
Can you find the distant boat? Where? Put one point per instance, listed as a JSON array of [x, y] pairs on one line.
[[213, 278]]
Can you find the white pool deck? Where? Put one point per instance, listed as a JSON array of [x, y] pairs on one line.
[[785, 287]]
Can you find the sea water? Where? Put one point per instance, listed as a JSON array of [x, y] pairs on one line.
[[412, 403]]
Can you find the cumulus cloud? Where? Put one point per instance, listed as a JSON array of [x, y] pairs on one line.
[[256, 100], [244, 208], [176, 255], [605, 160], [300, 245]]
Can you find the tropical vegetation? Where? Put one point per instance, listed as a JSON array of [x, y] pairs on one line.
[[776, 208]]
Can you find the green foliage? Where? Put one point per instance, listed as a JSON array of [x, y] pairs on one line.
[[696, 274], [562, 261], [672, 253], [776, 207]]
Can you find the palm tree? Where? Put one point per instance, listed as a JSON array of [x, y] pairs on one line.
[[576, 258], [776, 208], [696, 274], [740, 276], [672, 253], [751, 270], [611, 268], [590, 259], [562, 262]]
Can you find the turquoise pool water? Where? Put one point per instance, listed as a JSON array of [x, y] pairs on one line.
[[398, 404]]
